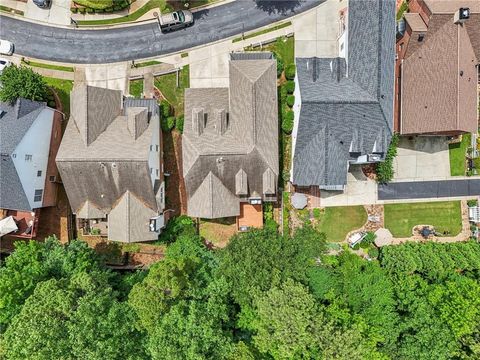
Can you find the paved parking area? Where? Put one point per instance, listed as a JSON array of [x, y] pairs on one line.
[[316, 31], [58, 14], [429, 189], [422, 158], [359, 191]]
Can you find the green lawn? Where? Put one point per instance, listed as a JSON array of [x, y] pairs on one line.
[[337, 222], [147, 63], [136, 88], [457, 153], [49, 66], [444, 216], [152, 4], [283, 48], [167, 84], [261, 32], [63, 88]]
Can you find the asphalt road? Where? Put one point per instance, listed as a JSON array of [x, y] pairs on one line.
[[145, 40], [429, 189]]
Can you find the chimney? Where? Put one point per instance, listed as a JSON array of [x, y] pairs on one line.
[[198, 122], [221, 122], [462, 15]]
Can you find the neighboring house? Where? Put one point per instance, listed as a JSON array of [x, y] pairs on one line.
[[110, 161], [438, 53], [230, 142], [344, 105], [30, 134]]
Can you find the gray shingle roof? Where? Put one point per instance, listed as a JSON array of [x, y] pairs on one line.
[[347, 106], [15, 121], [115, 162], [228, 130]]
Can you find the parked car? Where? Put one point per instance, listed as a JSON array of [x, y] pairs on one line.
[[6, 47], [44, 4], [176, 20], [3, 64]]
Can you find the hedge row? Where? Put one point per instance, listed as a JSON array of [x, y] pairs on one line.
[[97, 7]]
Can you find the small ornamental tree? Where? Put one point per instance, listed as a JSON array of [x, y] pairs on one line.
[[385, 169], [179, 123], [290, 100], [290, 86], [290, 71], [22, 82]]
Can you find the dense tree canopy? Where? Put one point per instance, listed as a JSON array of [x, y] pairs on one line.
[[262, 297], [22, 82]]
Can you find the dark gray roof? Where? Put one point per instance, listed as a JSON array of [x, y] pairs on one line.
[[15, 120], [347, 105], [228, 130]]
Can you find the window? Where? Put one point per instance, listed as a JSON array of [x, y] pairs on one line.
[[39, 173], [157, 172], [14, 156], [151, 170], [156, 146], [28, 157], [151, 147], [38, 195], [52, 178], [341, 46]]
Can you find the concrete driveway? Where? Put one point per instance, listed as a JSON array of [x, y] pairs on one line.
[[317, 30], [359, 191], [58, 14], [422, 158]]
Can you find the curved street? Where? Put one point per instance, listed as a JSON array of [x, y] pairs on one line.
[[145, 40]]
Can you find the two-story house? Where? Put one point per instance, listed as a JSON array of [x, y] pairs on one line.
[[438, 55], [110, 162], [30, 134], [230, 143], [344, 105]]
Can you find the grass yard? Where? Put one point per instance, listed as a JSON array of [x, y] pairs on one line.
[[63, 88], [218, 231], [337, 222], [49, 66], [261, 32], [284, 48], [167, 84], [10, 10], [403, 8], [443, 215], [136, 88], [457, 153], [147, 63]]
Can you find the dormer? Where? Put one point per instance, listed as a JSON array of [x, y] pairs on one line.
[[241, 183], [269, 182]]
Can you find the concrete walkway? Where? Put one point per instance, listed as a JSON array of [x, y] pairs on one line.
[[58, 13]]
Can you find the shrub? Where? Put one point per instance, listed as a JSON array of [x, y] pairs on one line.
[[290, 100], [280, 66], [287, 122], [99, 11], [21, 81], [373, 252], [369, 238], [290, 71], [385, 169], [270, 224], [51, 103], [472, 202], [317, 213], [179, 123], [290, 86], [74, 10], [165, 109], [283, 94], [168, 123], [90, 10], [95, 4], [109, 10], [82, 10]]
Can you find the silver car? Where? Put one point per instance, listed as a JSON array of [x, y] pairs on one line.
[[176, 20]]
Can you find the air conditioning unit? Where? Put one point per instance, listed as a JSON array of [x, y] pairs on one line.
[[462, 15]]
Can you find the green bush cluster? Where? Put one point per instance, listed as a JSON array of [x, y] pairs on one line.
[[280, 65], [290, 71], [22, 82], [290, 86], [290, 100], [287, 121], [317, 213], [100, 6], [385, 169], [179, 123]]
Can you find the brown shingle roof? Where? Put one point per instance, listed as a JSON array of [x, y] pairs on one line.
[[439, 80], [228, 130], [415, 21]]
